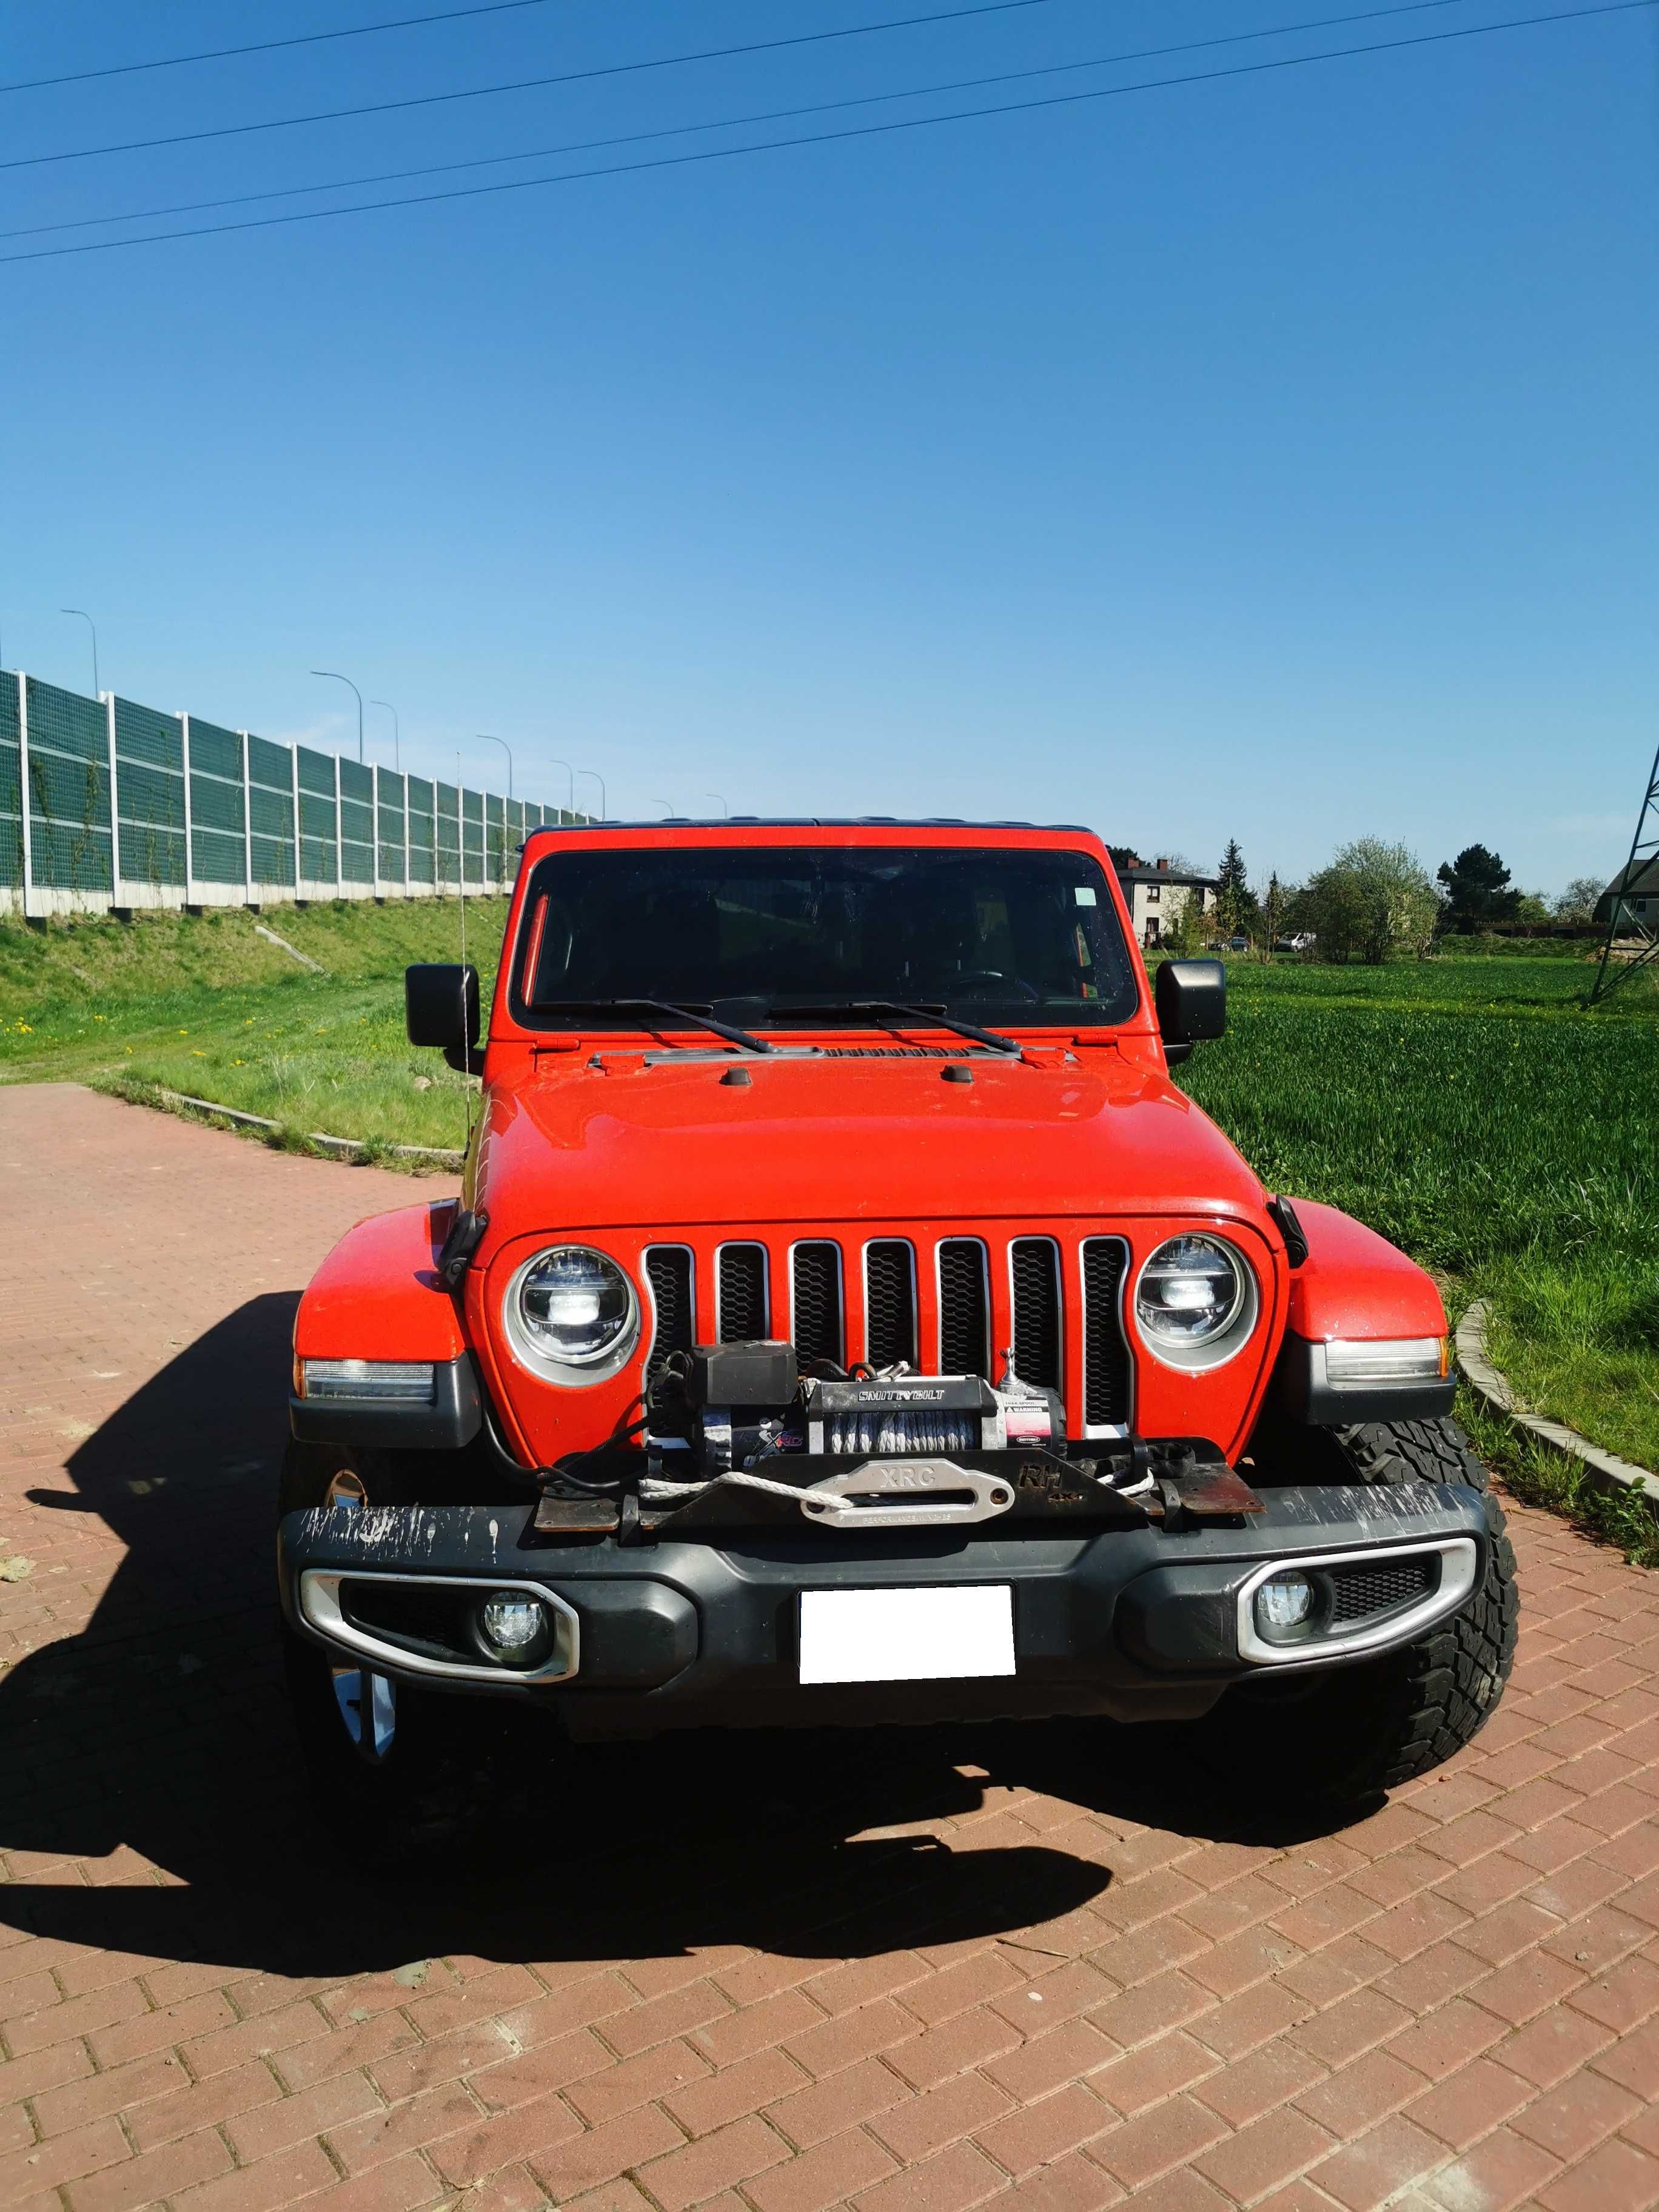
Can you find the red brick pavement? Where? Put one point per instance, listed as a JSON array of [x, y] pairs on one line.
[[919, 1973]]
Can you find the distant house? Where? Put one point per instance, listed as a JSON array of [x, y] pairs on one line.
[[1155, 895], [1637, 890]]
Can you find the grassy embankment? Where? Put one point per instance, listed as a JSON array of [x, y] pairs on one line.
[[1465, 1107], [209, 1007]]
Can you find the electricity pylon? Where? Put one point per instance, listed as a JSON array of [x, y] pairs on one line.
[[1642, 869]]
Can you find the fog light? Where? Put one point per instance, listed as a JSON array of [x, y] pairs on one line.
[[1283, 1604], [512, 1626]]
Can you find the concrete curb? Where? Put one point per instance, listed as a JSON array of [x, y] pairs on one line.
[[1603, 1470], [348, 1145]]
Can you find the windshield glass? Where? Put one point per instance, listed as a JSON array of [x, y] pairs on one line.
[[1002, 937]]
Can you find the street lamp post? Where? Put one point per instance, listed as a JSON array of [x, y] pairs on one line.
[[484, 738], [599, 780], [570, 792], [396, 735], [92, 627], [335, 676], [725, 809], [667, 806]]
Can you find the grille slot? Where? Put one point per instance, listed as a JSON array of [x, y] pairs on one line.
[[1359, 1592], [964, 1308], [1034, 1274], [668, 1272], [1106, 1371], [889, 1301], [815, 1286], [741, 1292]]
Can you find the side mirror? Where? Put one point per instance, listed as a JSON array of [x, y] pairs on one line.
[[1191, 998], [441, 1007]]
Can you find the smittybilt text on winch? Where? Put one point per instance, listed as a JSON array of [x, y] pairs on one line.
[[845, 1319]]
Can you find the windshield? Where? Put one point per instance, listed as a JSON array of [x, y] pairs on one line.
[[766, 935]]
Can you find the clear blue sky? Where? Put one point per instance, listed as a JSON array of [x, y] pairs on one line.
[[1272, 457]]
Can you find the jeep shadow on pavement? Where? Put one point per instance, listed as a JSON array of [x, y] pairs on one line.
[[161, 1737]]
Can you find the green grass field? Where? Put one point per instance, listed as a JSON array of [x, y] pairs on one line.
[[1472, 1112], [1467, 1108]]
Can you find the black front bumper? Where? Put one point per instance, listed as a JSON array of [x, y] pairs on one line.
[[1135, 1623]]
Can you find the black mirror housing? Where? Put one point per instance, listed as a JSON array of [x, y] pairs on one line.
[[1191, 998], [441, 1007]]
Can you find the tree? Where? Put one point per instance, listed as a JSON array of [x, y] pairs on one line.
[[1371, 898], [1578, 902], [1475, 892], [1275, 907], [1182, 935], [1236, 914]]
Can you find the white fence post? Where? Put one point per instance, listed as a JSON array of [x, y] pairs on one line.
[[23, 793], [294, 786], [405, 785], [340, 836], [247, 820], [190, 855], [374, 822], [114, 808]]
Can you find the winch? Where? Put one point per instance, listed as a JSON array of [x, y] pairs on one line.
[[720, 1408]]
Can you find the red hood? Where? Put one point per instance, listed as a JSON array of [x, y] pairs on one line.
[[572, 1146]]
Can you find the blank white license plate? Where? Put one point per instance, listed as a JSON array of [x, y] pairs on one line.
[[906, 1635]]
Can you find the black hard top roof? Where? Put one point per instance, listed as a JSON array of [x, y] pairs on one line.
[[811, 821]]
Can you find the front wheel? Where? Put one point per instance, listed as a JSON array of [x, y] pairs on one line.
[[1353, 1730], [376, 1751]]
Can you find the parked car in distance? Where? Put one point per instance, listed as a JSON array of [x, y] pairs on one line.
[[844, 1318]]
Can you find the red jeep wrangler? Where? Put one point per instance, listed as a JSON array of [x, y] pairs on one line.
[[845, 1319]]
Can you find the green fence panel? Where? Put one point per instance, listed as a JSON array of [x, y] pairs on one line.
[[150, 760], [316, 772], [68, 790], [270, 813], [11, 811], [319, 828], [273, 862], [213, 751], [389, 826]]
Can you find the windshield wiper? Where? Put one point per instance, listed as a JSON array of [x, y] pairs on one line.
[[911, 1014], [688, 1014]]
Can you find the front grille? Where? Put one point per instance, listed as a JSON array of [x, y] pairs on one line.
[[668, 1272], [944, 1308], [1034, 1275], [1106, 1375], [1359, 1592], [890, 1300], [964, 1308], [741, 1292], [815, 1291]]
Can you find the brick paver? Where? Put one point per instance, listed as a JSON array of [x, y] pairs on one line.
[[1037, 1967]]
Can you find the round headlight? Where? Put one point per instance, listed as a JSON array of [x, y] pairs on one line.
[[1196, 1302], [572, 1308]]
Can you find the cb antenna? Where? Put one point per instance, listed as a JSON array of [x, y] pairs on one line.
[[460, 842]]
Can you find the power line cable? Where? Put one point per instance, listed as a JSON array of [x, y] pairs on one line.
[[728, 122], [828, 137], [268, 46], [525, 84]]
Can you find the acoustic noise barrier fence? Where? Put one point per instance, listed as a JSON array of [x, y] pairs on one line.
[[106, 804]]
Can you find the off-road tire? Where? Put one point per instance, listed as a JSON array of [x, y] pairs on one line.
[[1358, 1729]]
